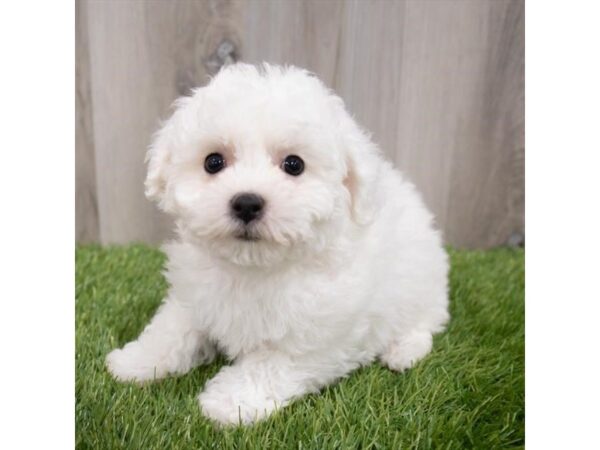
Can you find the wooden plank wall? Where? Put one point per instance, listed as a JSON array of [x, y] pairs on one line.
[[439, 83]]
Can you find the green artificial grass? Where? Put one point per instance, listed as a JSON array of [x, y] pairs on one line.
[[468, 393]]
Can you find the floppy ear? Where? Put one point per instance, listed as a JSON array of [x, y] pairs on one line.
[[363, 166], [362, 160], [159, 165], [159, 159]]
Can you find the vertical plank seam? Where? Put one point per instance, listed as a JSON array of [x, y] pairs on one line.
[[88, 129]]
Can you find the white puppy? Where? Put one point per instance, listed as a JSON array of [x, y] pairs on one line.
[[301, 253]]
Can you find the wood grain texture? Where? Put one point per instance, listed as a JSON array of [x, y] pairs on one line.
[[438, 83], [86, 206], [143, 54], [369, 66], [460, 129], [302, 33]]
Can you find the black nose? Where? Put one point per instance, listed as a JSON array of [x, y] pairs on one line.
[[247, 207]]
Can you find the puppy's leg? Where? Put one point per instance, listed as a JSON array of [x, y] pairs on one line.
[[404, 351], [262, 382], [170, 344]]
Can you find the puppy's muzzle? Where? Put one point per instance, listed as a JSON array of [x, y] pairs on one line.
[[247, 207]]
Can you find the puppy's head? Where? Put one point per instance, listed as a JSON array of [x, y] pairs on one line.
[[262, 165]]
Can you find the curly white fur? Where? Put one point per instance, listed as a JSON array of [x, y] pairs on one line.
[[347, 266]]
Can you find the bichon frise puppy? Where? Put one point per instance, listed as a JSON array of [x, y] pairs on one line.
[[301, 253]]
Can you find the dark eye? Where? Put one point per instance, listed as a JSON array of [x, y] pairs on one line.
[[214, 163], [293, 165]]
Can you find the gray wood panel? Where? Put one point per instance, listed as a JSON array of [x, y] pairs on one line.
[[143, 55], [86, 205], [302, 33], [439, 83], [460, 130]]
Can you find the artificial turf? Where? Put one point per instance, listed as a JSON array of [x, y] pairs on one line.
[[468, 393]]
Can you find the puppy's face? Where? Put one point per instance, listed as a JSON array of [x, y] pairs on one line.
[[254, 166]]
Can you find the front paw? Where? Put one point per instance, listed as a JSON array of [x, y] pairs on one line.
[[228, 409], [131, 364], [235, 403]]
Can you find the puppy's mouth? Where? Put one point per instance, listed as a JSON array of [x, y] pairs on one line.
[[247, 235]]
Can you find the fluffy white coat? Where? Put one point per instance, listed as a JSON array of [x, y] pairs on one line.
[[344, 266]]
